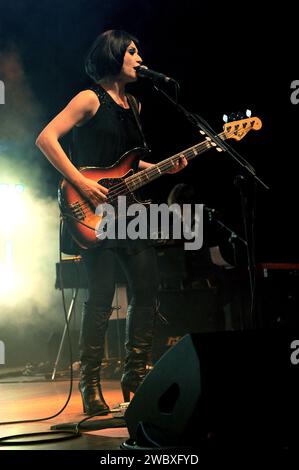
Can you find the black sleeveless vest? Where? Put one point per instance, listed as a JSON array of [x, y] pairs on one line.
[[110, 133]]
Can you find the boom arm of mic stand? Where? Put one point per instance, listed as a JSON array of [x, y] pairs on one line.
[[232, 232], [200, 123]]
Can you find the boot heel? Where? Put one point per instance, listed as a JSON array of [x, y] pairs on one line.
[[94, 402], [126, 392], [83, 406]]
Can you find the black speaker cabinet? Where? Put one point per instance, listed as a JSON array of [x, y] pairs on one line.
[[181, 312], [239, 388], [186, 311]]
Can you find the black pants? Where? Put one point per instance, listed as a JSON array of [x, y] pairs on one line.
[[142, 275], [140, 269]]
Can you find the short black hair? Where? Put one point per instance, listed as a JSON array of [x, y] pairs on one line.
[[106, 55]]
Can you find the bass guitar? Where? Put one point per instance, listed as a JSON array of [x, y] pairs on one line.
[[121, 180]]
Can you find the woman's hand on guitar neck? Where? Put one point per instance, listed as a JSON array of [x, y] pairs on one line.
[[91, 190], [180, 164]]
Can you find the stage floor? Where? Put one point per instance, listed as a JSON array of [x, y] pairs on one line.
[[27, 398]]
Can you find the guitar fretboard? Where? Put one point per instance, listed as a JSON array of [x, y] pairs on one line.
[[143, 177]]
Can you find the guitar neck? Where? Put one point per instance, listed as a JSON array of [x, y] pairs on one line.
[[144, 177]]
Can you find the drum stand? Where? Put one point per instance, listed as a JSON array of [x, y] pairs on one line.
[[70, 311]]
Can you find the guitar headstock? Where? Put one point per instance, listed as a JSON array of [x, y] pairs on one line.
[[237, 125]]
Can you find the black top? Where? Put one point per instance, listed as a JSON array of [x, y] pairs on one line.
[[110, 133]]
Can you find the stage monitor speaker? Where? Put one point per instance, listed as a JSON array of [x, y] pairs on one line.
[[221, 388]]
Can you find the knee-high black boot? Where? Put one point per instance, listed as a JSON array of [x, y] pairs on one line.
[[91, 344], [139, 336]]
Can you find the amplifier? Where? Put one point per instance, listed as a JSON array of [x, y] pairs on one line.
[[176, 266], [71, 271], [271, 270], [171, 265], [74, 276], [186, 311], [180, 312]]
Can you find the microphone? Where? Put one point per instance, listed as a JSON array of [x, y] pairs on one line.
[[145, 72]]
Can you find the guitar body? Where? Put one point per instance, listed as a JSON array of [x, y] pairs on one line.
[[81, 216]]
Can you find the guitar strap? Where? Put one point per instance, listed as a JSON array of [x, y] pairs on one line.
[[134, 106]]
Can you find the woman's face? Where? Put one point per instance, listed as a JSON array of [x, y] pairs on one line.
[[132, 59]]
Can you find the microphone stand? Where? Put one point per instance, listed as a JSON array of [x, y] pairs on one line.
[[233, 235], [247, 173]]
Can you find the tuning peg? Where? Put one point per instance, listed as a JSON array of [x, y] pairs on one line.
[[248, 113], [225, 118]]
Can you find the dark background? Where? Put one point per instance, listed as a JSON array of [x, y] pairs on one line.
[[226, 58]]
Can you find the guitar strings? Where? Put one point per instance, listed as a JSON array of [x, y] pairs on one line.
[[122, 188], [165, 163]]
